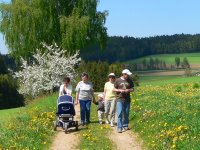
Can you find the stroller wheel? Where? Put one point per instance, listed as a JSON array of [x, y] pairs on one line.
[[66, 131], [55, 125], [76, 125]]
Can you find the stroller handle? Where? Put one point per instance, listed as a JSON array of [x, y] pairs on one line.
[[65, 108]]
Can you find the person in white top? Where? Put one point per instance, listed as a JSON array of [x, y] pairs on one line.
[[66, 88], [110, 102], [84, 96]]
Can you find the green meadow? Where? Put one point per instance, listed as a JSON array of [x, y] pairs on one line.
[[163, 80], [164, 113], [8, 114], [29, 127], [193, 58]]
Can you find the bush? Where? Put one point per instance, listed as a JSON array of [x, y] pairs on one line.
[[178, 89], [9, 96], [196, 86], [97, 71], [3, 67], [117, 68]]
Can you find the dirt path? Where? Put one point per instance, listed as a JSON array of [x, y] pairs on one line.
[[68, 141], [123, 141], [126, 140]]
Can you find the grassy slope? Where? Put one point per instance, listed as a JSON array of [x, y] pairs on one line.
[[29, 127], [38, 115], [165, 113], [94, 135], [7, 114], [193, 58]]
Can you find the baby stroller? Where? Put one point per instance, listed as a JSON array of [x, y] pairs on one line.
[[65, 113]]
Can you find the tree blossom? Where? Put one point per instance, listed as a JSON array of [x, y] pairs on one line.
[[46, 70]]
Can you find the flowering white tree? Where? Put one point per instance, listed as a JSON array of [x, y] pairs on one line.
[[47, 70]]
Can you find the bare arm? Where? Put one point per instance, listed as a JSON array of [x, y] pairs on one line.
[[77, 96], [118, 90], [104, 93], [60, 91], [129, 90], [93, 97]]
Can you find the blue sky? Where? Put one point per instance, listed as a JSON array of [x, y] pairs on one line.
[[144, 18]]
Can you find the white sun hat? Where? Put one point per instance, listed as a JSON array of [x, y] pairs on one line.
[[111, 75], [126, 71]]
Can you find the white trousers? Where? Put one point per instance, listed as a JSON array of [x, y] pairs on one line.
[[110, 109]]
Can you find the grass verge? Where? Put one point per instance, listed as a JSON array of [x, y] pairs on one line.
[[8, 114], [31, 127], [94, 135]]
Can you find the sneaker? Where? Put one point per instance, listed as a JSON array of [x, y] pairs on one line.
[[111, 124], [119, 130], [87, 122], [126, 128], [107, 122], [82, 124]]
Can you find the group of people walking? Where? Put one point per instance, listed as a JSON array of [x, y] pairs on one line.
[[115, 98]]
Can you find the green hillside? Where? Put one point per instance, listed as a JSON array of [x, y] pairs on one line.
[[164, 80], [29, 127], [127, 48], [165, 113], [159, 114], [193, 58]]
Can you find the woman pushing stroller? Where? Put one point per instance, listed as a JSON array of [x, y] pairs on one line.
[[66, 88], [65, 107]]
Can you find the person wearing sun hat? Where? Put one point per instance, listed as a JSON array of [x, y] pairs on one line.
[[109, 96], [123, 86]]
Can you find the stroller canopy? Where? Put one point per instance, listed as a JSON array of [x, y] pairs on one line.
[[65, 99]]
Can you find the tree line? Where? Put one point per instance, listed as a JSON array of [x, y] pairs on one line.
[[9, 96], [119, 49], [158, 64]]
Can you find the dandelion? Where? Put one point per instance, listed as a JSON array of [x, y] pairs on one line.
[[175, 139], [44, 143], [173, 146]]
